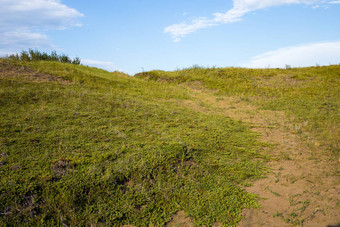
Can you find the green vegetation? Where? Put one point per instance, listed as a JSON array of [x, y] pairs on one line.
[[36, 55], [82, 146], [310, 95]]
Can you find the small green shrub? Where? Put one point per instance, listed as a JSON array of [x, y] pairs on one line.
[[36, 55]]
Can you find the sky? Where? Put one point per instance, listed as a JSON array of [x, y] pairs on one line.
[[141, 35]]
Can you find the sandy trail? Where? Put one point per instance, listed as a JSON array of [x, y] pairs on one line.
[[302, 187]]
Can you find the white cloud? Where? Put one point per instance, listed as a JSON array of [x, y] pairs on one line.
[[240, 8], [100, 64], [334, 2], [323, 53], [22, 39], [180, 30], [6, 53], [22, 22]]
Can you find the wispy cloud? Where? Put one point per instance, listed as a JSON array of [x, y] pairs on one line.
[[6, 53], [323, 53], [240, 8], [100, 64], [24, 23], [334, 2], [22, 39], [179, 31]]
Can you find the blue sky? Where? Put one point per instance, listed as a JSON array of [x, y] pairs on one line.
[[136, 35]]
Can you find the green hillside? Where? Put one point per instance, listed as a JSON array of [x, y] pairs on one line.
[[80, 145], [310, 95], [83, 146]]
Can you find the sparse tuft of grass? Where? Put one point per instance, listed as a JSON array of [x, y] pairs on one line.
[[271, 191]]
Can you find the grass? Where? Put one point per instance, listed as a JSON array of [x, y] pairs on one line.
[[82, 146], [271, 191], [309, 95]]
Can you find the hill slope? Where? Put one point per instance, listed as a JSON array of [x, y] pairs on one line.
[[82, 146], [295, 110], [311, 95]]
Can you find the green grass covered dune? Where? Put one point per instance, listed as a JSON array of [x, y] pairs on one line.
[[309, 95], [82, 146]]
